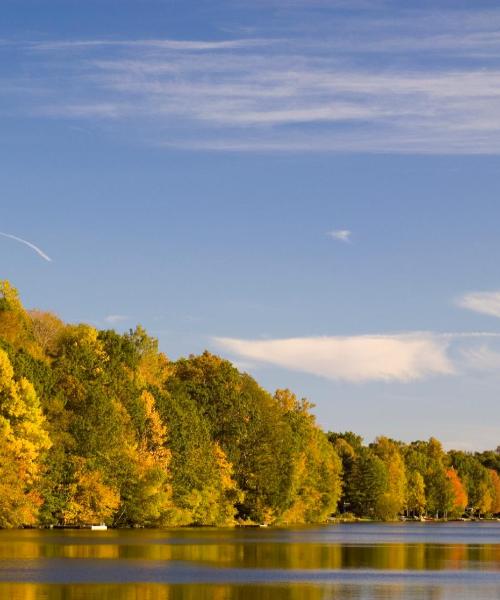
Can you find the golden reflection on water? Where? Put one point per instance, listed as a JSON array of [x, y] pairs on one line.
[[29, 591], [239, 552], [394, 569]]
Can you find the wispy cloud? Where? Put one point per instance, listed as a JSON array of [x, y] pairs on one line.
[[481, 358], [403, 357], [487, 303], [271, 92], [38, 250], [114, 319], [342, 235], [162, 44]]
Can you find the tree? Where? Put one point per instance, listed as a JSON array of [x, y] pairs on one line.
[[147, 496], [367, 483], [440, 494], [477, 481], [314, 467], [346, 446], [23, 440], [88, 499], [204, 491], [495, 487], [45, 327], [459, 494], [415, 495], [248, 425], [393, 499], [15, 323]]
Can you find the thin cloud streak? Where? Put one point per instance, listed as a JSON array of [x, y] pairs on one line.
[[487, 303], [481, 358], [455, 112], [271, 93], [161, 44], [38, 250]]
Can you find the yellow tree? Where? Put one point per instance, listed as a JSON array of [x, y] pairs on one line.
[[46, 327], [90, 500], [393, 500], [214, 504], [148, 498], [23, 439], [314, 482], [15, 323], [415, 496]]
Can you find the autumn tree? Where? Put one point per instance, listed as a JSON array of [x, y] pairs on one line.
[[459, 494], [495, 487], [314, 467], [15, 324], [23, 440], [415, 494], [249, 426], [392, 501], [476, 479]]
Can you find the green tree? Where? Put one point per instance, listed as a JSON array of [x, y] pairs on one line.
[[367, 483], [315, 469], [248, 425]]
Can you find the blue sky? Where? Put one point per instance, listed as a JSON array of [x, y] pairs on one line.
[[309, 188]]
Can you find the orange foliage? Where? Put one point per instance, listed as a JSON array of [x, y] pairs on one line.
[[495, 483], [460, 495]]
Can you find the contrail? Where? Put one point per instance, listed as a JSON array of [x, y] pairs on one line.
[[32, 246]]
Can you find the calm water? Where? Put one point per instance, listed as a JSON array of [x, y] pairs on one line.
[[358, 561]]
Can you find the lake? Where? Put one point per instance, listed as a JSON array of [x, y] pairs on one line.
[[441, 561]]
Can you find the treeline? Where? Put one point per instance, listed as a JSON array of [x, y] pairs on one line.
[[97, 426], [388, 478]]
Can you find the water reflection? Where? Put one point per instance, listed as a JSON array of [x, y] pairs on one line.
[[365, 562], [19, 591], [242, 549]]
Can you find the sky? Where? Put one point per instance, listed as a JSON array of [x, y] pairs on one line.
[[309, 188]]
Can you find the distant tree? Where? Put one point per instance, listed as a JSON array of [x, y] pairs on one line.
[[460, 499], [476, 479], [367, 483], [415, 495], [495, 487], [393, 500]]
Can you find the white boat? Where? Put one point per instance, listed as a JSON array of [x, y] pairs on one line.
[[100, 527]]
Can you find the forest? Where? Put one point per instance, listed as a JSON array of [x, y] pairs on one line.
[[101, 427]]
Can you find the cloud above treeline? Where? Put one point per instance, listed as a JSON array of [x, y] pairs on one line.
[[283, 89], [404, 357]]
